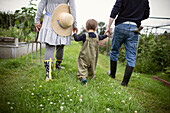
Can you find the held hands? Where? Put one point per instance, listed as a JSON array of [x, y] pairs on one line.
[[75, 30], [37, 26], [107, 32]]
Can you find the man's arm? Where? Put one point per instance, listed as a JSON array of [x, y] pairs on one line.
[[147, 12], [109, 25]]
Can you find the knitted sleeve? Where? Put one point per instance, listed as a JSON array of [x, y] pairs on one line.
[[73, 11], [42, 4]]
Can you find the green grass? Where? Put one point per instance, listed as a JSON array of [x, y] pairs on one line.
[[23, 88]]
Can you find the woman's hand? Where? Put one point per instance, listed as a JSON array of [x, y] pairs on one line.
[[37, 26], [75, 30]]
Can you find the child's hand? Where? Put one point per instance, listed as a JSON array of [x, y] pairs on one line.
[[108, 35]]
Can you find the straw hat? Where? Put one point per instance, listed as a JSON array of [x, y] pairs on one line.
[[62, 20]]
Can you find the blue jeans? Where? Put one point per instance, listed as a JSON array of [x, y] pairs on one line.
[[124, 33]]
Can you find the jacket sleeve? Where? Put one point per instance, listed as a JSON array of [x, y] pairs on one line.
[[42, 4], [147, 12], [73, 11], [116, 8]]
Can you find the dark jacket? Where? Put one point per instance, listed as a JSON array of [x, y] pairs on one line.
[[130, 10]]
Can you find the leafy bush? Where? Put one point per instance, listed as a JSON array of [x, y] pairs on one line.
[[153, 55]]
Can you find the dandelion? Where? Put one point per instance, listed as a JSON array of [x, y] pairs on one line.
[[70, 100], [11, 107], [80, 100], [61, 108], [108, 109], [41, 105], [8, 102], [135, 111], [40, 85], [123, 101], [51, 102], [32, 93]]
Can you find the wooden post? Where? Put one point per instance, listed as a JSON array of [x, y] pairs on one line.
[[32, 52], [40, 52]]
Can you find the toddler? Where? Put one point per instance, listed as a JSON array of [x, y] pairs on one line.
[[88, 55]]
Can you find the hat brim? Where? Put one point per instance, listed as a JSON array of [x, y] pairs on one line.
[[55, 17]]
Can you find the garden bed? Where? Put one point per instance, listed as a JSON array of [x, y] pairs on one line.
[[11, 48]]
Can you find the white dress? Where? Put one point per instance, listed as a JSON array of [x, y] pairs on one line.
[[46, 33]]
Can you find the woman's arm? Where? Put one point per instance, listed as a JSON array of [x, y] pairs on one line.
[[73, 11]]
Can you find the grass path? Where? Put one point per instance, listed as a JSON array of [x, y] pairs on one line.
[[23, 89]]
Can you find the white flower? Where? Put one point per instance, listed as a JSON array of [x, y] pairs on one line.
[[118, 92], [123, 101], [33, 88], [41, 105], [114, 92], [61, 108], [71, 100], [135, 111], [8, 102], [48, 99], [42, 108], [40, 85], [68, 95], [63, 103], [81, 96], [130, 98], [108, 109], [54, 103], [32, 93], [80, 100], [33, 84], [51, 102], [11, 108], [77, 90], [67, 91], [106, 94], [21, 87]]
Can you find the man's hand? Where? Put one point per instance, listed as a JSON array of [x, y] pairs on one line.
[[75, 30], [37, 27], [107, 32]]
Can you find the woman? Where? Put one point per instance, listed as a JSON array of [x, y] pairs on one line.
[[51, 38]]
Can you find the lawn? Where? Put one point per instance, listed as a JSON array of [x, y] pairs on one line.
[[23, 88]]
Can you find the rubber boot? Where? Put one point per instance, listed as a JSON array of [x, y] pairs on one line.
[[57, 64], [48, 66], [113, 66], [127, 75]]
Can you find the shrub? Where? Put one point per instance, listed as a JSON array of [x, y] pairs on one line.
[[153, 55]]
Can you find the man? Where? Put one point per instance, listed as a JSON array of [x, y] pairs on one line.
[[129, 14]]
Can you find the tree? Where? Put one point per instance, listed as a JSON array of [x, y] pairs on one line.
[[101, 28]]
